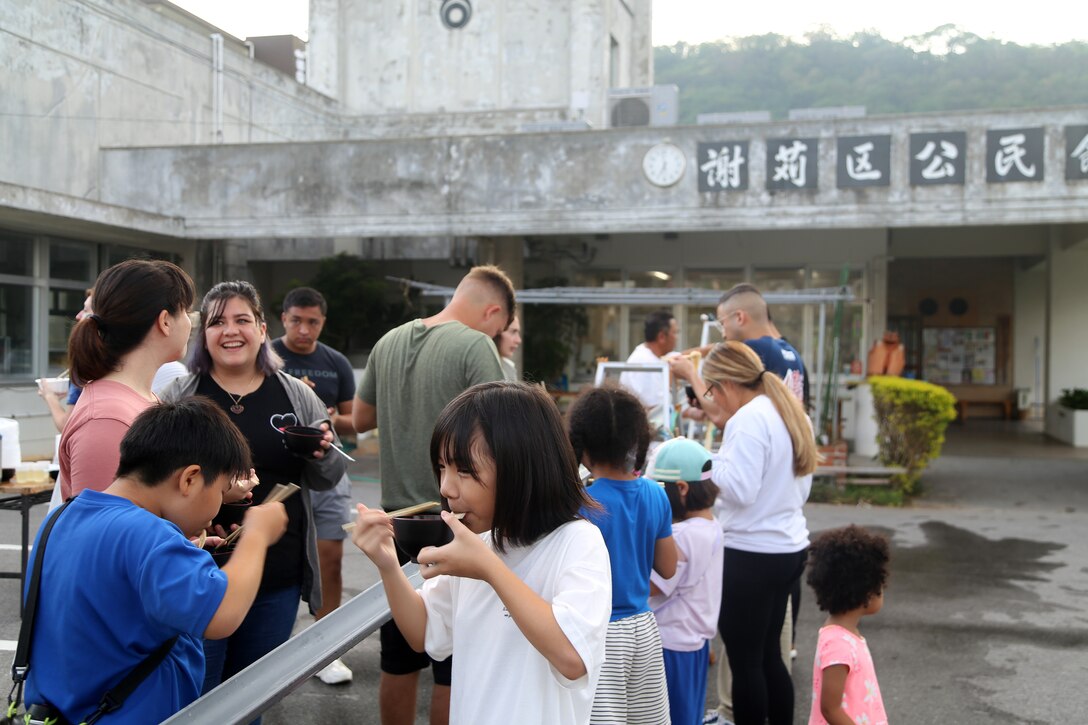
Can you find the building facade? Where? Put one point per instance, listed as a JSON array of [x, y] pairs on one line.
[[427, 136]]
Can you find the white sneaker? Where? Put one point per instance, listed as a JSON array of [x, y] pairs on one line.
[[713, 717], [335, 673]]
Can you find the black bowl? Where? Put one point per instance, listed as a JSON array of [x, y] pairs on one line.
[[414, 533], [302, 440]]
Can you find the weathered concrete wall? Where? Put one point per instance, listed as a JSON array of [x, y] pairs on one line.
[[92, 74], [1067, 335], [530, 60], [582, 182]]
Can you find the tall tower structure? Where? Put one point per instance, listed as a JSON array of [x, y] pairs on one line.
[[513, 61]]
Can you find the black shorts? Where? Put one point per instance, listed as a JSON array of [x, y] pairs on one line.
[[398, 657]]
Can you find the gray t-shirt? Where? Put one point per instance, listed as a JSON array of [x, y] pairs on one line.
[[413, 372]]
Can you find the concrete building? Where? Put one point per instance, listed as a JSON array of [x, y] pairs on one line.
[[427, 136]]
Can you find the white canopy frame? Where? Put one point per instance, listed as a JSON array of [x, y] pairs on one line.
[[668, 296]]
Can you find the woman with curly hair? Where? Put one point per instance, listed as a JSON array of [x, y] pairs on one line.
[[848, 570]]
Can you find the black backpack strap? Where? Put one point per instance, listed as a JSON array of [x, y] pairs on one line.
[[117, 695], [21, 663]]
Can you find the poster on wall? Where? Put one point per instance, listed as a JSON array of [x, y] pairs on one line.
[[955, 355]]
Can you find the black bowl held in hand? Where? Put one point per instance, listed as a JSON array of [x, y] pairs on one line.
[[415, 533], [302, 440]]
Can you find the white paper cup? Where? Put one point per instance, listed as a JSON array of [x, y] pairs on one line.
[[57, 386]]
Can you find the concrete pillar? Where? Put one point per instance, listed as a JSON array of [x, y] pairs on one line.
[[1066, 300], [878, 305]]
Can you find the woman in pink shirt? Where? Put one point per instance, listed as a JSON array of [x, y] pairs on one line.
[[848, 568], [140, 321]]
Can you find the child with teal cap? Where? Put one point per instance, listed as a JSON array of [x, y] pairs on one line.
[[686, 605]]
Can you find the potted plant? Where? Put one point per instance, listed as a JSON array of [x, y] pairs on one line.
[[1068, 420]]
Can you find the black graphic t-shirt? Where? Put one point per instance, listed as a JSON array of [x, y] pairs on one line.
[[274, 464]]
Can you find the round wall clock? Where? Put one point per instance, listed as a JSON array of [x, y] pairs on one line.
[[664, 164]]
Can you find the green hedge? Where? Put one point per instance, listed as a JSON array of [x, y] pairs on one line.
[[911, 420], [1074, 398]]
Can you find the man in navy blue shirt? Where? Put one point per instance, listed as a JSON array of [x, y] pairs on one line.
[[330, 375]]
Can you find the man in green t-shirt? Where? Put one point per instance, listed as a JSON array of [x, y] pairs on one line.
[[413, 372]]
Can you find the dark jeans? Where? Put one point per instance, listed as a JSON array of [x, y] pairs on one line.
[[755, 588], [266, 627]]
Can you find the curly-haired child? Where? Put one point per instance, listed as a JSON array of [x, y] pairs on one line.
[[848, 568]]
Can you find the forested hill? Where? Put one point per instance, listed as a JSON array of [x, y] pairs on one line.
[[944, 70]]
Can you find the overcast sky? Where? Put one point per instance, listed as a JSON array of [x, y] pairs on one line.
[[694, 21]]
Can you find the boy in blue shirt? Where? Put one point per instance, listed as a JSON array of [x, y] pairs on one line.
[[121, 577]]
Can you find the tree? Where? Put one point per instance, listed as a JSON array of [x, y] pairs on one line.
[[363, 305], [945, 69]]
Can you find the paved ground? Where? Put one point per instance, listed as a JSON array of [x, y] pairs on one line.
[[986, 618]]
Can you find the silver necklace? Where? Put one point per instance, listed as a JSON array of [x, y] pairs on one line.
[[237, 408]]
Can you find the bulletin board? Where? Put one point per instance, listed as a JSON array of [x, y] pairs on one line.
[[960, 355]]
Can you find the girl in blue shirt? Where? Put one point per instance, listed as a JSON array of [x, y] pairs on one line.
[[611, 433]]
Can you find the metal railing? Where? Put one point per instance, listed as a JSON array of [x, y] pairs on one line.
[[271, 678]]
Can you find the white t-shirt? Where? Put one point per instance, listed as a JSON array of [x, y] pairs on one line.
[[687, 608], [166, 374], [760, 502], [646, 386], [498, 676]]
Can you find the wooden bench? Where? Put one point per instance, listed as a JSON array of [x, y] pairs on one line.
[[859, 475], [1000, 399]]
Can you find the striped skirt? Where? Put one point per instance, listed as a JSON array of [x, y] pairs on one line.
[[631, 689]]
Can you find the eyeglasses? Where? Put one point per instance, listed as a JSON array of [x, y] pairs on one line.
[[709, 394]]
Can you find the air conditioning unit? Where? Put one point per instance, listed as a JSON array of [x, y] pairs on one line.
[[643, 106]]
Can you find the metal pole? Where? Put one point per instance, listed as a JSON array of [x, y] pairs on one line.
[[271, 678], [819, 369]]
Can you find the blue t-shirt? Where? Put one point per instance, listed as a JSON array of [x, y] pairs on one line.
[[327, 369], [117, 582], [780, 358], [636, 514]]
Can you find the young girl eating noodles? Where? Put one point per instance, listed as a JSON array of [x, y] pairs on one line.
[[523, 592]]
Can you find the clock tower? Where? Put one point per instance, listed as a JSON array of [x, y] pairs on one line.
[[505, 62]]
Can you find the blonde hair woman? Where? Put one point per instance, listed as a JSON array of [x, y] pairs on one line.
[[764, 472]]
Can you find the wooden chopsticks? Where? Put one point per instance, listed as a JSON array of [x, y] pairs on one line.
[[280, 492], [407, 511]]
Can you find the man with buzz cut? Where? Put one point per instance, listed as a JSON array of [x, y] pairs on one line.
[[744, 317], [414, 371], [329, 374]]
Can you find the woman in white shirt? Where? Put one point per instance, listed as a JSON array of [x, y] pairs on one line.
[[764, 473]]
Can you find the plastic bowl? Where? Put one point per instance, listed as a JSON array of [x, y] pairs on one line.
[[302, 440], [414, 533], [56, 386]]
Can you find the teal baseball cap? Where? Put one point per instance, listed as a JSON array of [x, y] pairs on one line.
[[680, 459]]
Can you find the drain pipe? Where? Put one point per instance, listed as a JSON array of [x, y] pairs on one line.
[[217, 87]]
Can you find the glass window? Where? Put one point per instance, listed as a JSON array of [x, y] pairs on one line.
[[16, 254], [64, 304], [16, 327], [715, 279], [602, 335], [789, 319], [71, 260], [636, 320], [852, 331]]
